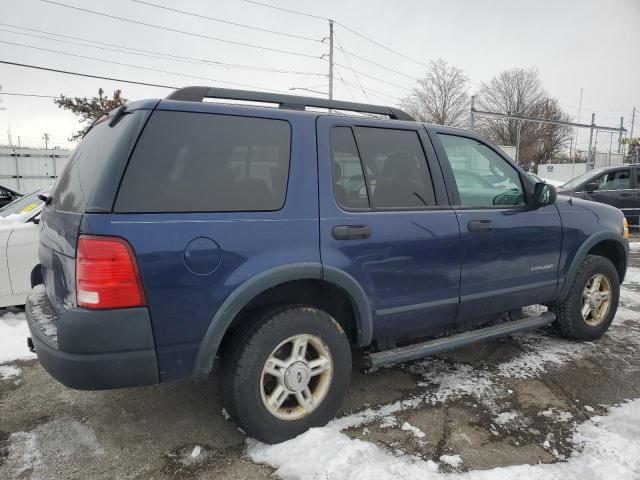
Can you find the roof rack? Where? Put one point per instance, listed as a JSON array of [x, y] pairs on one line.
[[292, 102]]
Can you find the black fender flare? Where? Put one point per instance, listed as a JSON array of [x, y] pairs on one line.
[[269, 279], [582, 252]]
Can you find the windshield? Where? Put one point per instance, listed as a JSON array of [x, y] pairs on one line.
[[581, 178], [26, 204]]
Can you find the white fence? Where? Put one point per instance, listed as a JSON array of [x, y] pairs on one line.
[[26, 169]]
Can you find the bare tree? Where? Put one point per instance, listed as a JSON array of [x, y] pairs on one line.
[[441, 96], [520, 91]]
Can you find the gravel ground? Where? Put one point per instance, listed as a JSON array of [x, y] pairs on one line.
[[511, 401]]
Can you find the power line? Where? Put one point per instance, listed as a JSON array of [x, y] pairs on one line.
[[381, 45], [346, 27], [158, 70], [379, 65], [28, 95], [318, 17], [66, 72], [347, 87], [153, 54], [183, 32], [214, 19], [355, 75], [370, 90]]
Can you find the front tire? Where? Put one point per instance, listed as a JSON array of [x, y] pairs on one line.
[[285, 373], [591, 304]]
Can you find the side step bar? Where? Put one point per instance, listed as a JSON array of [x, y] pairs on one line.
[[439, 345]]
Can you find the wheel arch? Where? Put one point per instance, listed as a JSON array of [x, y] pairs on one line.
[[231, 310], [608, 244]]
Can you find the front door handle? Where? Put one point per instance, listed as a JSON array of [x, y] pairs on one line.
[[480, 226], [351, 232]]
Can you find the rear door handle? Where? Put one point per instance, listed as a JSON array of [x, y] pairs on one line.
[[480, 226], [351, 232]]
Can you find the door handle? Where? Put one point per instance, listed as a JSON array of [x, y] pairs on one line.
[[351, 232], [480, 226]]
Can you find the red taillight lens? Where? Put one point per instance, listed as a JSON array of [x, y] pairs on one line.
[[107, 275]]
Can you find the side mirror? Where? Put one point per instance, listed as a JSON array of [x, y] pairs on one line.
[[544, 194], [592, 187]]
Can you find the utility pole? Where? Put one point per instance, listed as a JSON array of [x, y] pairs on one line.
[[518, 140], [330, 59], [45, 137], [579, 112], [633, 120], [589, 153], [611, 146], [472, 118], [619, 135]]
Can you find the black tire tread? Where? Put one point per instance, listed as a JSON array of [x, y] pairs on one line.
[[565, 322]]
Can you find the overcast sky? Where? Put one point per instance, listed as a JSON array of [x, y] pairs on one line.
[[590, 44]]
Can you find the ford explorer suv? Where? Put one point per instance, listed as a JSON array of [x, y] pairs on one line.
[[617, 186], [272, 241]]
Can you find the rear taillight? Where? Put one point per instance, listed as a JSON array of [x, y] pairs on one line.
[[107, 275]]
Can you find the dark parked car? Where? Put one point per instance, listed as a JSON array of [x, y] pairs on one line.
[[273, 242], [617, 186], [7, 195]]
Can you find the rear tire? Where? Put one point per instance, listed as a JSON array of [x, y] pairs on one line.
[[286, 372], [591, 304]]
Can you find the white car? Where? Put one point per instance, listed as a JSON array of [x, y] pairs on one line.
[[555, 183], [19, 246]]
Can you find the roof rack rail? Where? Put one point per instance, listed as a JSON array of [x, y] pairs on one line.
[[292, 102]]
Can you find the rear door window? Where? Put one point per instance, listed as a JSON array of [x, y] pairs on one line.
[[349, 187], [200, 162], [396, 168]]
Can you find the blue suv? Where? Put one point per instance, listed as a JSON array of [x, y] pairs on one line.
[[272, 243]]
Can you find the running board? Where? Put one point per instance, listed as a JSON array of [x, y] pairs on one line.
[[439, 345]]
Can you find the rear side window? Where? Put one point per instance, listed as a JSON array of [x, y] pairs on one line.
[[198, 162]]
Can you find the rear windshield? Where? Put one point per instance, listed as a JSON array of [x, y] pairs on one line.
[[101, 147], [200, 162]]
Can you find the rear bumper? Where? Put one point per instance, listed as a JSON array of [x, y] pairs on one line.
[[92, 349]]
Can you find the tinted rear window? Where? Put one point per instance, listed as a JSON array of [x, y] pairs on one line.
[[101, 147], [199, 162]]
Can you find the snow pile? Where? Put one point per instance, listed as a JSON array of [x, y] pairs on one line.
[[608, 447], [634, 246], [407, 427], [13, 338], [453, 460]]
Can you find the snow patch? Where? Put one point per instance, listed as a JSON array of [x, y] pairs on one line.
[[556, 415], [388, 421], [13, 337], [506, 418], [453, 460], [407, 427], [608, 447], [8, 372], [634, 246]]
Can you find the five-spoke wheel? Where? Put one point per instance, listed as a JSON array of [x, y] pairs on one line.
[[296, 377]]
